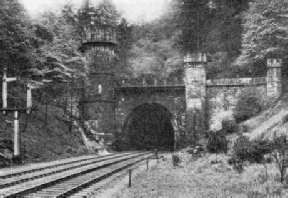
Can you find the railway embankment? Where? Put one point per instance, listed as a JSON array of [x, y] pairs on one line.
[[274, 120], [45, 135], [205, 177]]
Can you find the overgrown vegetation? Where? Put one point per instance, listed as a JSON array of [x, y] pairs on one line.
[[226, 30], [279, 153], [229, 126], [44, 52], [217, 142], [247, 106], [245, 150]]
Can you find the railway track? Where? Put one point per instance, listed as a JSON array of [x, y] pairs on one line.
[[73, 178]]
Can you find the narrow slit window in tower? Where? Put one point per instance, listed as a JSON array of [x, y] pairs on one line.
[[99, 89]]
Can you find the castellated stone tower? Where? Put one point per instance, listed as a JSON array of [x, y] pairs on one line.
[[98, 44], [274, 86], [195, 81]]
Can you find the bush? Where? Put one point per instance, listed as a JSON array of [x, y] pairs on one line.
[[280, 155], [119, 145], [229, 126], [237, 164], [176, 160], [217, 142], [248, 151], [247, 106], [243, 129]]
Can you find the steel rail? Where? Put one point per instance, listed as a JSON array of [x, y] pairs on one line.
[[96, 187], [50, 170], [60, 177], [70, 187], [29, 170]]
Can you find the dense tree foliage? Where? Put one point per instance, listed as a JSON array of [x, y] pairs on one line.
[[213, 27], [18, 40], [125, 41], [193, 19], [155, 51], [237, 35], [248, 105], [41, 49], [265, 33], [229, 31], [61, 58], [44, 51], [158, 59]]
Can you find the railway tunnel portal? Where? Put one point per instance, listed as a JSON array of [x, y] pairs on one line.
[[149, 126], [145, 108], [189, 105]]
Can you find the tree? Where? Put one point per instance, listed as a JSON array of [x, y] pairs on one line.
[[265, 32], [154, 58], [125, 41], [226, 27], [60, 56], [212, 27], [155, 51], [17, 39], [193, 18]]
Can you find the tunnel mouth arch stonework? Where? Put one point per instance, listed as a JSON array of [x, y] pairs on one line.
[[149, 126]]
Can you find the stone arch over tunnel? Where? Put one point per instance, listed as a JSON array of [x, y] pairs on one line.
[[149, 126]]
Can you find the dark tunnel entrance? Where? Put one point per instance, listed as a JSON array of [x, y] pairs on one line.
[[149, 127]]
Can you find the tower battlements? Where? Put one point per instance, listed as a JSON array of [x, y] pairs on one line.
[[195, 57], [273, 62]]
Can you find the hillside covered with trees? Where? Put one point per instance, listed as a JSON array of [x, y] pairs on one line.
[[45, 52], [237, 36]]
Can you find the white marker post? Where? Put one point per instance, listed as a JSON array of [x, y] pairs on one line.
[[4, 91], [16, 134], [29, 98]]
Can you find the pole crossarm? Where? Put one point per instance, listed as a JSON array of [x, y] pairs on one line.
[[17, 109]]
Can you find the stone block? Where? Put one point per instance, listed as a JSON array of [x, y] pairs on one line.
[[195, 57], [273, 62]]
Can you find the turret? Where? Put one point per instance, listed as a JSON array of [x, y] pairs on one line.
[[274, 86], [98, 44]]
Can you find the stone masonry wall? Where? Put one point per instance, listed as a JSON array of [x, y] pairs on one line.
[[223, 94], [172, 99]]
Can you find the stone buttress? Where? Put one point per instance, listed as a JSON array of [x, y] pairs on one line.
[[274, 85], [195, 93]]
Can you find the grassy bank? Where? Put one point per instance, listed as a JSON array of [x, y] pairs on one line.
[[44, 136], [203, 177]]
